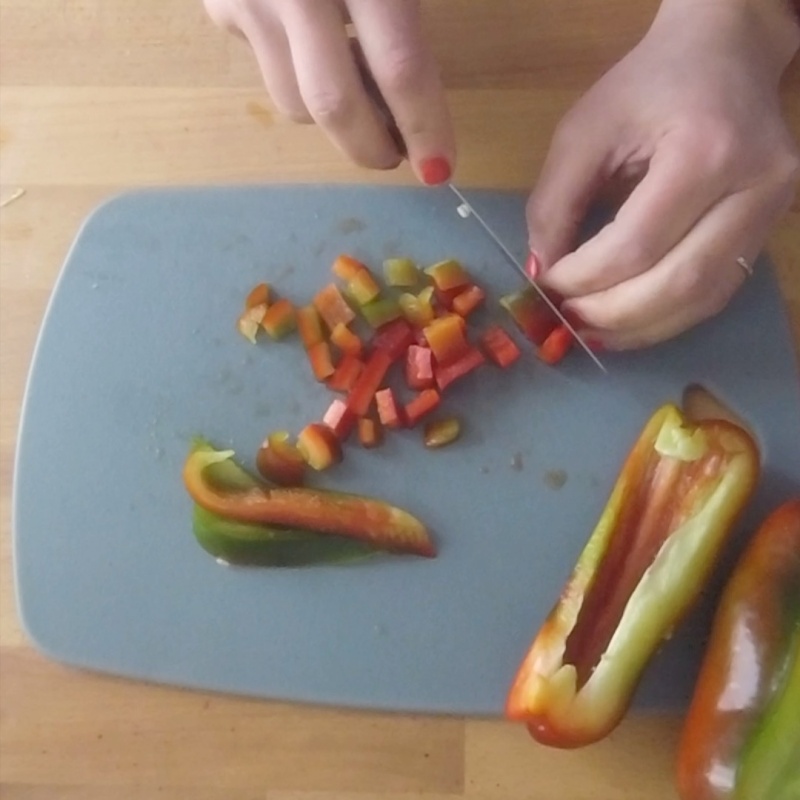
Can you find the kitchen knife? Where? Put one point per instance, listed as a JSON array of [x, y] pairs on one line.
[[465, 208]]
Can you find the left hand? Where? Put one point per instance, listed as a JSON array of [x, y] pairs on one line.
[[693, 113]]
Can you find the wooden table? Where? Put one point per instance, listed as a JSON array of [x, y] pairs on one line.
[[100, 95]]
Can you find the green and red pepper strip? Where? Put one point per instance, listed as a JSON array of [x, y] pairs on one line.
[[674, 503], [364, 519], [741, 737]]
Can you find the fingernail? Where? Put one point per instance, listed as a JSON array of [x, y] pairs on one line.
[[434, 170], [532, 265], [595, 345]]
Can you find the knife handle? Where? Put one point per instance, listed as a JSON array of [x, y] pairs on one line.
[[374, 93]]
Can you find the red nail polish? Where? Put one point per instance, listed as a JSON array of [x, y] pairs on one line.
[[532, 265], [595, 345], [434, 170]]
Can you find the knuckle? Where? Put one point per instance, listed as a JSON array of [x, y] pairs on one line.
[[330, 108]]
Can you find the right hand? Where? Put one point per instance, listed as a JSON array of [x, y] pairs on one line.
[[305, 58]]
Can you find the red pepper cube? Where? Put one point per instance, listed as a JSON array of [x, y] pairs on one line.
[[319, 355], [346, 267], [394, 338], [556, 345], [363, 287], [346, 340], [279, 461], [346, 374], [370, 432], [419, 367], [444, 298], [467, 300], [499, 346], [332, 306], [446, 338], [531, 314], [369, 381], [448, 275], [309, 326], [339, 418], [259, 295], [388, 411], [280, 319], [416, 408], [447, 373], [319, 446]]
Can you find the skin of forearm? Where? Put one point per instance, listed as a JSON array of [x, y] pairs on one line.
[[773, 26]]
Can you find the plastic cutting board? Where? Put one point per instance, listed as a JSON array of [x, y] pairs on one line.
[[139, 352]]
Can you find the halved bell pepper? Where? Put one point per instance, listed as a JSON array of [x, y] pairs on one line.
[[675, 501], [364, 519], [741, 737]]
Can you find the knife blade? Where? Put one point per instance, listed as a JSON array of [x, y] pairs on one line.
[[465, 208]]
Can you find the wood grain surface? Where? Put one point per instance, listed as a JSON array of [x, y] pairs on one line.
[[103, 95]]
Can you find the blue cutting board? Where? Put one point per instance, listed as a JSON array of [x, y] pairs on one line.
[[138, 353]]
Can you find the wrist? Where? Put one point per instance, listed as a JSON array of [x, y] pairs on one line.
[[770, 29]]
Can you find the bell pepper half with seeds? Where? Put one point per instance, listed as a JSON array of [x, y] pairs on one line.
[[219, 486], [741, 736], [675, 501]]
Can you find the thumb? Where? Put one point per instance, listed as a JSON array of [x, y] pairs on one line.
[[577, 165]]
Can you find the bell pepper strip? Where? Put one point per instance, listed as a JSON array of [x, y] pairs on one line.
[[347, 341], [362, 518], [675, 501], [321, 360], [419, 367], [394, 338], [280, 319], [362, 287], [468, 300], [741, 736], [448, 373], [389, 412], [332, 306], [380, 311], [446, 338], [530, 314], [556, 346], [346, 374], [444, 299], [346, 267], [499, 347], [415, 409], [258, 296], [368, 382], [319, 446], [309, 326], [279, 461], [249, 545], [370, 432], [339, 418], [448, 275], [400, 272], [441, 432]]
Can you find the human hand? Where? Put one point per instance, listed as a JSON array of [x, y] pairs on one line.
[[693, 113], [304, 54]]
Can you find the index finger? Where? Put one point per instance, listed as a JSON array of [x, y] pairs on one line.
[[405, 71]]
